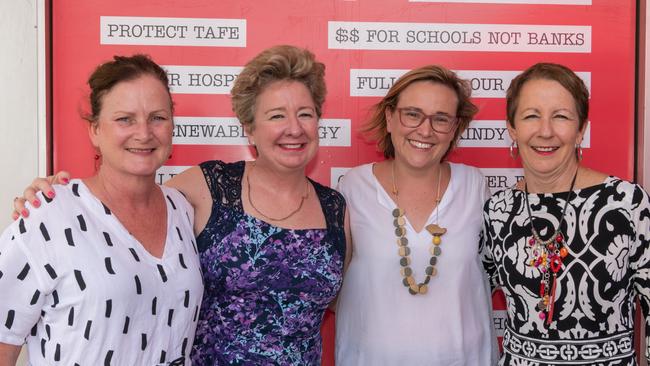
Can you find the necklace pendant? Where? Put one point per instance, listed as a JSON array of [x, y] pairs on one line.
[[564, 252], [556, 264], [436, 230]]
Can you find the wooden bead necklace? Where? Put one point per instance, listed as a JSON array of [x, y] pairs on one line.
[[404, 251], [548, 256]]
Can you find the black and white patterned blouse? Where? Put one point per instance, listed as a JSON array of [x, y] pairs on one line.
[[607, 231], [80, 290]]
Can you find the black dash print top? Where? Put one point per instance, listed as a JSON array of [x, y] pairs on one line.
[[80, 290]]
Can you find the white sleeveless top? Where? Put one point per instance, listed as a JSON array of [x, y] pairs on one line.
[[377, 321]]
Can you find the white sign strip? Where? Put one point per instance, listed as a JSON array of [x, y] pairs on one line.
[[201, 79], [208, 131], [501, 178], [500, 321], [228, 131], [166, 172], [459, 37], [494, 133], [484, 83], [335, 176], [335, 132], [540, 2], [173, 31]]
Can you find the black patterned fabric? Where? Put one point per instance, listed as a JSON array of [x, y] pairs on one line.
[[607, 232]]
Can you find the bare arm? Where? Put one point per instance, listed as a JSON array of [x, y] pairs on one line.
[[348, 253], [8, 354], [192, 184]]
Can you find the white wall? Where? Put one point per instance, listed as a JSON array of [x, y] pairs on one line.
[[22, 140], [22, 122]]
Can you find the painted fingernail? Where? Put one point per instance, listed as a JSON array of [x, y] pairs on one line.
[[65, 180], [24, 212], [50, 194], [36, 203]]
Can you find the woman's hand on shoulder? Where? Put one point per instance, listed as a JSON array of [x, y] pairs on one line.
[[38, 185]]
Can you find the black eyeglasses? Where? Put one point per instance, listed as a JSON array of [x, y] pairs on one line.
[[440, 122]]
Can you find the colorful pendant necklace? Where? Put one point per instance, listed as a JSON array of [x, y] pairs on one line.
[[404, 251], [547, 256]]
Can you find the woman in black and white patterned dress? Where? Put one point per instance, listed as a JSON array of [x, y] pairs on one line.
[[569, 246], [108, 272]]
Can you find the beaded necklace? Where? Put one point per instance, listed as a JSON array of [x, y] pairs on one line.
[[548, 255], [404, 251]]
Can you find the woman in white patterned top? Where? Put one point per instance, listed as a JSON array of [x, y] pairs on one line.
[[108, 272]]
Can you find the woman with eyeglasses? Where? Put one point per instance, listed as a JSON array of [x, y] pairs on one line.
[[415, 292]]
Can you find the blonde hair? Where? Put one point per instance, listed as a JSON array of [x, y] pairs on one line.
[[277, 63], [376, 127]]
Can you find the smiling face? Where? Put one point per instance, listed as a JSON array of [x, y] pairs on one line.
[[546, 129], [285, 127], [133, 131], [421, 147]]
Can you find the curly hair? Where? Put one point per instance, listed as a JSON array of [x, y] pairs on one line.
[[277, 64]]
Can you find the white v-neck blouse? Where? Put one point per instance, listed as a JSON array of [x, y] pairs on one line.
[[377, 321], [80, 290]]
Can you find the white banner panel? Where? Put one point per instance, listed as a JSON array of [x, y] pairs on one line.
[[201, 79], [173, 31], [228, 131], [500, 321], [487, 133], [336, 174], [501, 178], [166, 172], [335, 132], [484, 83], [208, 131], [458, 37]]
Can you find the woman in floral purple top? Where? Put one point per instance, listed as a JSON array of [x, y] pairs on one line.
[[266, 287], [272, 243]]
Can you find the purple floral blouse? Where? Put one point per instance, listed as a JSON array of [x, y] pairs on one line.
[[266, 287]]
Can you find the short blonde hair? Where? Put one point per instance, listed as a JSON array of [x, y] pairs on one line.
[[377, 128], [279, 63]]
